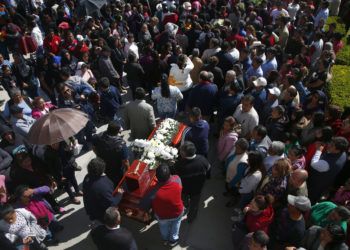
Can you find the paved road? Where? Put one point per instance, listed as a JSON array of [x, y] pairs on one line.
[[210, 231]]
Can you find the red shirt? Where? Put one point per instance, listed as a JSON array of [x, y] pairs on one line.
[[79, 50], [170, 18], [70, 46], [241, 44], [261, 221], [167, 203], [53, 44]]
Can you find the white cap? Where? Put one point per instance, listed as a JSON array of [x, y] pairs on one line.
[[260, 82], [187, 6], [275, 91], [80, 38]]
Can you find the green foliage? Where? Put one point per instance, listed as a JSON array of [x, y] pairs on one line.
[[340, 87]]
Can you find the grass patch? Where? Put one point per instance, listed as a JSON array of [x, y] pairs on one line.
[[340, 87]]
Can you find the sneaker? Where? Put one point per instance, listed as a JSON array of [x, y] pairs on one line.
[[173, 243]]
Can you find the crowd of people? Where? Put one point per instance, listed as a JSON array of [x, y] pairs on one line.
[[253, 76]]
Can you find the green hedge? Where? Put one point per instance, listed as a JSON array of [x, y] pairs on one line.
[[340, 85]]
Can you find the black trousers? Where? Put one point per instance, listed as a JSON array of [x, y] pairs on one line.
[[191, 201]]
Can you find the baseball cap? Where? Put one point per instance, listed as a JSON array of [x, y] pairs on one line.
[[15, 109], [80, 38], [187, 6], [300, 202], [275, 91], [64, 26], [260, 82]]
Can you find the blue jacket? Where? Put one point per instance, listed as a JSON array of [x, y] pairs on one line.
[[110, 101], [98, 196], [198, 133], [203, 96]]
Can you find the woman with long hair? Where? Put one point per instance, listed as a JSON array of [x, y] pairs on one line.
[[166, 97], [252, 177]]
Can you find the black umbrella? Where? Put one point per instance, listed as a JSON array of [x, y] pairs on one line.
[[89, 7]]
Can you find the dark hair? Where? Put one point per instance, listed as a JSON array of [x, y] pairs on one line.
[[181, 61], [111, 217], [104, 82], [337, 233], [261, 238], [188, 148], [261, 130], [163, 173], [132, 57], [19, 191], [248, 98], [298, 150], [334, 111], [225, 46], [242, 143], [318, 119], [341, 144], [164, 86], [113, 128], [65, 71], [196, 113], [231, 121], [140, 93], [327, 134], [96, 167], [5, 210], [255, 161], [263, 201]]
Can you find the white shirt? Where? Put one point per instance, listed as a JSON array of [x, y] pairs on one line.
[[37, 36], [248, 120], [209, 52], [235, 54], [277, 13], [317, 164], [250, 182], [293, 10], [131, 47], [322, 14], [318, 45], [182, 78]]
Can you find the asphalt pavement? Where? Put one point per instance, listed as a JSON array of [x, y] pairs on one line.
[[210, 231]]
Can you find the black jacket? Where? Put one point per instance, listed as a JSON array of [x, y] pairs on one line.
[[192, 173], [98, 196], [113, 239]]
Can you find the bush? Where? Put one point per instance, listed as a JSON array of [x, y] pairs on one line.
[[340, 87]]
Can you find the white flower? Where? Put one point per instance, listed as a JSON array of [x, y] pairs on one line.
[[174, 151], [151, 155]]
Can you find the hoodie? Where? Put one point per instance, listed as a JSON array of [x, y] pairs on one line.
[[198, 133], [259, 221]]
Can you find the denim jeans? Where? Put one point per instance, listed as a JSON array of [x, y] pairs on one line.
[[169, 228]]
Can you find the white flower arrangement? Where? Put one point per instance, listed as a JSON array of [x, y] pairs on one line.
[[156, 150]]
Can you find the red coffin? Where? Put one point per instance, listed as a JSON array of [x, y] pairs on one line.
[[138, 179]]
